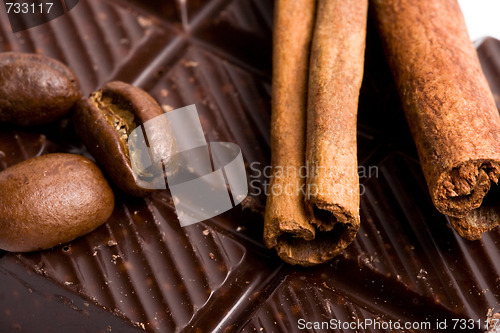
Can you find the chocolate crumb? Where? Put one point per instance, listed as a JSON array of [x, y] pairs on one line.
[[166, 108], [114, 257]]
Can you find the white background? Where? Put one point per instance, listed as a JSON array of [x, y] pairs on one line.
[[482, 17]]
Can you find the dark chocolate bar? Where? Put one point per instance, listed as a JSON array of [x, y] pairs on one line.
[[142, 271]]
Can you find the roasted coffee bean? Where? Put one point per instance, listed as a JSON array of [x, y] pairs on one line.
[[35, 89], [106, 119], [52, 199]]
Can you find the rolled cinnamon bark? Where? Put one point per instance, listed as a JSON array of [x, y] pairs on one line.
[[449, 107], [285, 216], [335, 75], [336, 72]]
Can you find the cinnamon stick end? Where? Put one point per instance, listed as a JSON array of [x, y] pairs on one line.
[[325, 246], [277, 228], [463, 188], [477, 222]]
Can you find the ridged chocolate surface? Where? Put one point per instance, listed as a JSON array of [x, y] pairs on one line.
[[142, 271], [489, 51]]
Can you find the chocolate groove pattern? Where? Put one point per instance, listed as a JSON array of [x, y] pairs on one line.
[[489, 49], [126, 268], [288, 300], [420, 251], [85, 39]]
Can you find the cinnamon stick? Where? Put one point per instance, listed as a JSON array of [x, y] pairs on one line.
[[285, 216], [336, 69], [336, 72], [449, 107]]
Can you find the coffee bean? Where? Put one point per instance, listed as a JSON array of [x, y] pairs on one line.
[[52, 199], [106, 119], [35, 89]]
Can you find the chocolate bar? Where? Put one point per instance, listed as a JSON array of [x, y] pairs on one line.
[[142, 271]]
